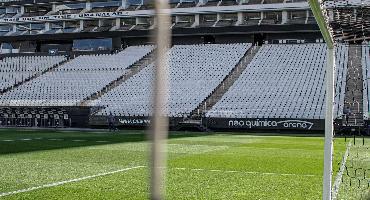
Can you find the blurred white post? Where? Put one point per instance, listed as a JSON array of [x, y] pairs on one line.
[[328, 148], [159, 127]]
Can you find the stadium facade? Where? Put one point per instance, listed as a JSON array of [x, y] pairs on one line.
[[254, 64], [38, 24]]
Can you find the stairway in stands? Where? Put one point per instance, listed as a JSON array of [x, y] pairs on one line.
[[354, 86], [224, 86], [52, 68], [133, 69]]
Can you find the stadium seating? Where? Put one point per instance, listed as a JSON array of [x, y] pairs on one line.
[[70, 83], [120, 61], [284, 81], [187, 4], [194, 72], [366, 78], [14, 70], [340, 79], [104, 9]]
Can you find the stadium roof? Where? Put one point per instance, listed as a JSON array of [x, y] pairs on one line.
[[349, 20]]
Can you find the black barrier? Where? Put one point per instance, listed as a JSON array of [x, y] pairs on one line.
[[17, 116], [219, 123], [255, 123], [129, 121]]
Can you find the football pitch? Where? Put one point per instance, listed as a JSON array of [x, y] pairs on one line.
[[100, 165]]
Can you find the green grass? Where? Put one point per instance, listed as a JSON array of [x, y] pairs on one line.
[[219, 166], [356, 179]]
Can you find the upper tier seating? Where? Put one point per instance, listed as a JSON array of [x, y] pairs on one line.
[[284, 81], [194, 72], [187, 4], [228, 3], [75, 80], [340, 79], [119, 61], [14, 70], [211, 3], [104, 9], [366, 79]]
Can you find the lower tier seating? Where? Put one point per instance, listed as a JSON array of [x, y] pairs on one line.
[[366, 78], [284, 81], [15, 70], [76, 80], [194, 72]]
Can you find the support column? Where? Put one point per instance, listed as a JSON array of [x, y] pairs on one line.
[[88, 5], [328, 148], [284, 17], [81, 24], [47, 26], [54, 7], [22, 11], [196, 20], [124, 4], [240, 18], [118, 22], [218, 17]]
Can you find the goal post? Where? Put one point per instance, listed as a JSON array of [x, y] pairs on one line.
[[330, 70], [322, 22], [159, 127], [328, 143]]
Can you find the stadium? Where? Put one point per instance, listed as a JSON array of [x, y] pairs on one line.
[[186, 99]]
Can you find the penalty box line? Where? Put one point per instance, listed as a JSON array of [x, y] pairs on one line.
[[67, 181], [338, 179]]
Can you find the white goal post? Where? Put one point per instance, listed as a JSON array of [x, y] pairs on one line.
[[330, 70]]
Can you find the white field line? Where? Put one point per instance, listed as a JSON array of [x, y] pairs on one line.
[[78, 140], [338, 178], [246, 172], [55, 139], [67, 181]]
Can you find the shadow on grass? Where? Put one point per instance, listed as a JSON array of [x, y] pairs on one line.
[[20, 141], [26, 140]]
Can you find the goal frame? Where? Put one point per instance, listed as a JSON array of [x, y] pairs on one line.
[[329, 121]]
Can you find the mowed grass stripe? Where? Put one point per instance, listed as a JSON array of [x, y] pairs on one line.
[[219, 158], [67, 181]]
